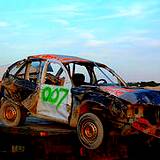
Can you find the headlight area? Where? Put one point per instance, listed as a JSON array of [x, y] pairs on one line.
[[144, 118], [148, 112], [135, 111]]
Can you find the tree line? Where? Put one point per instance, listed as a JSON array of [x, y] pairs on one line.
[[144, 84]]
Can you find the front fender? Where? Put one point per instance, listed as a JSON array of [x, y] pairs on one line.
[[89, 102]]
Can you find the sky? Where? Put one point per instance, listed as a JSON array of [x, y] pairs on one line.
[[124, 34]]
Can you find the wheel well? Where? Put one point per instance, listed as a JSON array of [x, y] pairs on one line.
[[84, 107], [90, 106]]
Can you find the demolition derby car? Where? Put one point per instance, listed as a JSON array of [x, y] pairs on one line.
[[86, 95]]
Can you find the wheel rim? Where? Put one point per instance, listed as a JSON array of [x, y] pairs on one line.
[[89, 131], [10, 113]]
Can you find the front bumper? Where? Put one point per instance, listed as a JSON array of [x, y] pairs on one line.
[[144, 126]]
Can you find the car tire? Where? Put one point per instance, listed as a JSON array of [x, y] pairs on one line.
[[90, 131], [11, 115]]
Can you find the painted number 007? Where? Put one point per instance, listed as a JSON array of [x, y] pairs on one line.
[[55, 96]]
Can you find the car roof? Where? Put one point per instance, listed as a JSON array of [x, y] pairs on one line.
[[61, 58]]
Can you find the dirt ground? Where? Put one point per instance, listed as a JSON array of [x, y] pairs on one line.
[[154, 88]]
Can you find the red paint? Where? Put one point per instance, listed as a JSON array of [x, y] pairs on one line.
[[63, 59], [144, 126], [83, 109], [82, 152], [117, 91], [43, 134]]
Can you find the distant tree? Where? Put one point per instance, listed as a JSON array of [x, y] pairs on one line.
[[150, 83], [144, 84]]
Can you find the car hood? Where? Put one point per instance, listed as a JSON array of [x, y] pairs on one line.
[[134, 95]]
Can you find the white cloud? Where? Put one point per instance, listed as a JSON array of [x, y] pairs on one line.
[[61, 22], [114, 12], [87, 35], [142, 41], [95, 43], [66, 8], [151, 42], [136, 38], [125, 12], [130, 11], [48, 11], [4, 24], [155, 21], [61, 43]]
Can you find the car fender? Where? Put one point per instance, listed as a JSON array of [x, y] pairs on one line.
[[91, 102]]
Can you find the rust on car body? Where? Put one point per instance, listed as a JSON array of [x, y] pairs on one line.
[[61, 58]]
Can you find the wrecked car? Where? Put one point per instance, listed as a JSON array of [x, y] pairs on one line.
[[83, 94]]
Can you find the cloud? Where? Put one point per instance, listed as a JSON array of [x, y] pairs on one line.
[[124, 12], [66, 8], [130, 11], [3, 24], [149, 42], [81, 34], [72, 9], [63, 10], [95, 43], [48, 11], [61, 22], [144, 38], [155, 21], [114, 12], [87, 35], [140, 41]]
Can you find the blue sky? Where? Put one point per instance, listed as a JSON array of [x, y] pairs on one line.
[[123, 34]]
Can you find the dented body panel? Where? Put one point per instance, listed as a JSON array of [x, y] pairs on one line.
[[63, 88], [135, 96]]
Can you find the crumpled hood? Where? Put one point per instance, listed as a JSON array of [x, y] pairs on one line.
[[134, 95]]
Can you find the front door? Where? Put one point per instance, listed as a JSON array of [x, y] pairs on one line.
[[55, 96]]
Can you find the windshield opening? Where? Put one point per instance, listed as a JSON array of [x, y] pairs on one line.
[[105, 76], [94, 74]]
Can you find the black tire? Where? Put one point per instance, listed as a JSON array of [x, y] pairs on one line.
[[11, 115], [90, 131]]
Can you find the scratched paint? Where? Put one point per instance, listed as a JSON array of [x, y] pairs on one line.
[[62, 58], [54, 96], [117, 91]]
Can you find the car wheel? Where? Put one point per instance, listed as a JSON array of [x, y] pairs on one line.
[[11, 115], [90, 130]]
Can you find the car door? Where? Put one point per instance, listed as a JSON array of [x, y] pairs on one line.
[[20, 81], [55, 96]]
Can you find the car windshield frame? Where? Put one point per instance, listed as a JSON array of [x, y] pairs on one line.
[[90, 68], [120, 81]]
